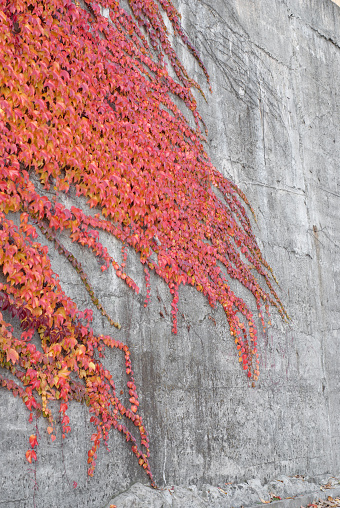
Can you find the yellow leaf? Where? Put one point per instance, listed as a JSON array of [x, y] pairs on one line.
[[64, 373]]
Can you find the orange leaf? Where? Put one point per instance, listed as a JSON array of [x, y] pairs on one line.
[[12, 355], [30, 454], [33, 440]]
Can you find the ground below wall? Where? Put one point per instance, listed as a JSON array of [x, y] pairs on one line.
[[284, 492]]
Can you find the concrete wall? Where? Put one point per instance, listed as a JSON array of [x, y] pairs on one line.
[[273, 123]]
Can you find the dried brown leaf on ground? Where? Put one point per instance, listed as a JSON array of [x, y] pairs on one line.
[[330, 502]]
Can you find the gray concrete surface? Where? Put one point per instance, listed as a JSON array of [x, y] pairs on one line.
[[273, 123]]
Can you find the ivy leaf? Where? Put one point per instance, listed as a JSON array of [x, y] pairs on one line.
[[12, 355], [31, 455], [33, 440]]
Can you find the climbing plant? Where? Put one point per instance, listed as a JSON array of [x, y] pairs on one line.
[[89, 99]]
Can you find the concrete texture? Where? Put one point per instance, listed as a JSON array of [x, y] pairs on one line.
[[273, 123]]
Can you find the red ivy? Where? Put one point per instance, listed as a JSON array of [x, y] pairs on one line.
[[86, 104]]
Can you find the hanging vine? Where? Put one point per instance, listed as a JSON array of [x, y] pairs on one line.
[[85, 103]]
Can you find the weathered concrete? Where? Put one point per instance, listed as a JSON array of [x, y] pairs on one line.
[[273, 123]]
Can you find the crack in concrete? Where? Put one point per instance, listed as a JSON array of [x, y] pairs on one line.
[[327, 38]]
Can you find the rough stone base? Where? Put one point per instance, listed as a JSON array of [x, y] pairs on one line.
[[294, 493]]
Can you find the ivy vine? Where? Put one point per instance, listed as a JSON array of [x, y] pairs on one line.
[[86, 103]]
